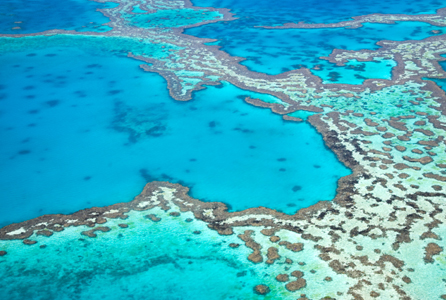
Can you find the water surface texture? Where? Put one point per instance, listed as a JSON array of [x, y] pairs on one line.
[[262, 12], [132, 263], [278, 51], [228, 166], [81, 134], [21, 16], [141, 261], [274, 51]]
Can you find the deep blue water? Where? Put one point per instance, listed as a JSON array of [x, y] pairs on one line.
[[264, 12], [38, 15], [77, 133], [277, 51]]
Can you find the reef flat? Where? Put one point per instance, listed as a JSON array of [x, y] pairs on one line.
[[381, 237]]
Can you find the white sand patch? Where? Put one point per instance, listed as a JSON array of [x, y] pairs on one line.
[[17, 232]]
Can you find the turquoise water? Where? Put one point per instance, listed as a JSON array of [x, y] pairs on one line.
[[41, 15], [171, 18], [138, 10], [138, 262], [119, 46], [355, 72], [302, 114], [264, 12], [440, 82], [77, 134], [80, 129], [277, 51], [175, 258]]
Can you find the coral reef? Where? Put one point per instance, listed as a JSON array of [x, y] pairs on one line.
[[381, 237]]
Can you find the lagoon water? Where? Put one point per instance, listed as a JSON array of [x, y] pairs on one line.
[[77, 133], [139, 262]]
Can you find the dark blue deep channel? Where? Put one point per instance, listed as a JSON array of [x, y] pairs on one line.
[[81, 130]]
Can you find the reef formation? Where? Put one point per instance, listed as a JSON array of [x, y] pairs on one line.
[[381, 237]]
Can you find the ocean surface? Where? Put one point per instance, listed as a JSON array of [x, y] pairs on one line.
[[83, 128], [22, 16], [81, 134], [277, 51], [281, 50], [139, 262], [262, 12]]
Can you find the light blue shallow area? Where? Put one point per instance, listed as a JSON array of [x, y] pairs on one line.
[[79, 131], [277, 51], [138, 10], [355, 72], [41, 15], [440, 82], [167, 260]]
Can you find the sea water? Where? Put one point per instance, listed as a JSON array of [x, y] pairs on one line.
[[81, 130], [168, 260], [274, 51], [277, 51], [76, 133], [24, 16], [264, 12]]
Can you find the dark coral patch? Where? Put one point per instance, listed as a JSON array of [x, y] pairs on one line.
[[114, 92], [52, 103], [261, 289], [94, 66], [146, 175], [296, 188]]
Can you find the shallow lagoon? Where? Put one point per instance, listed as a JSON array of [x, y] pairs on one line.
[[78, 133], [177, 257], [139, 262]]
